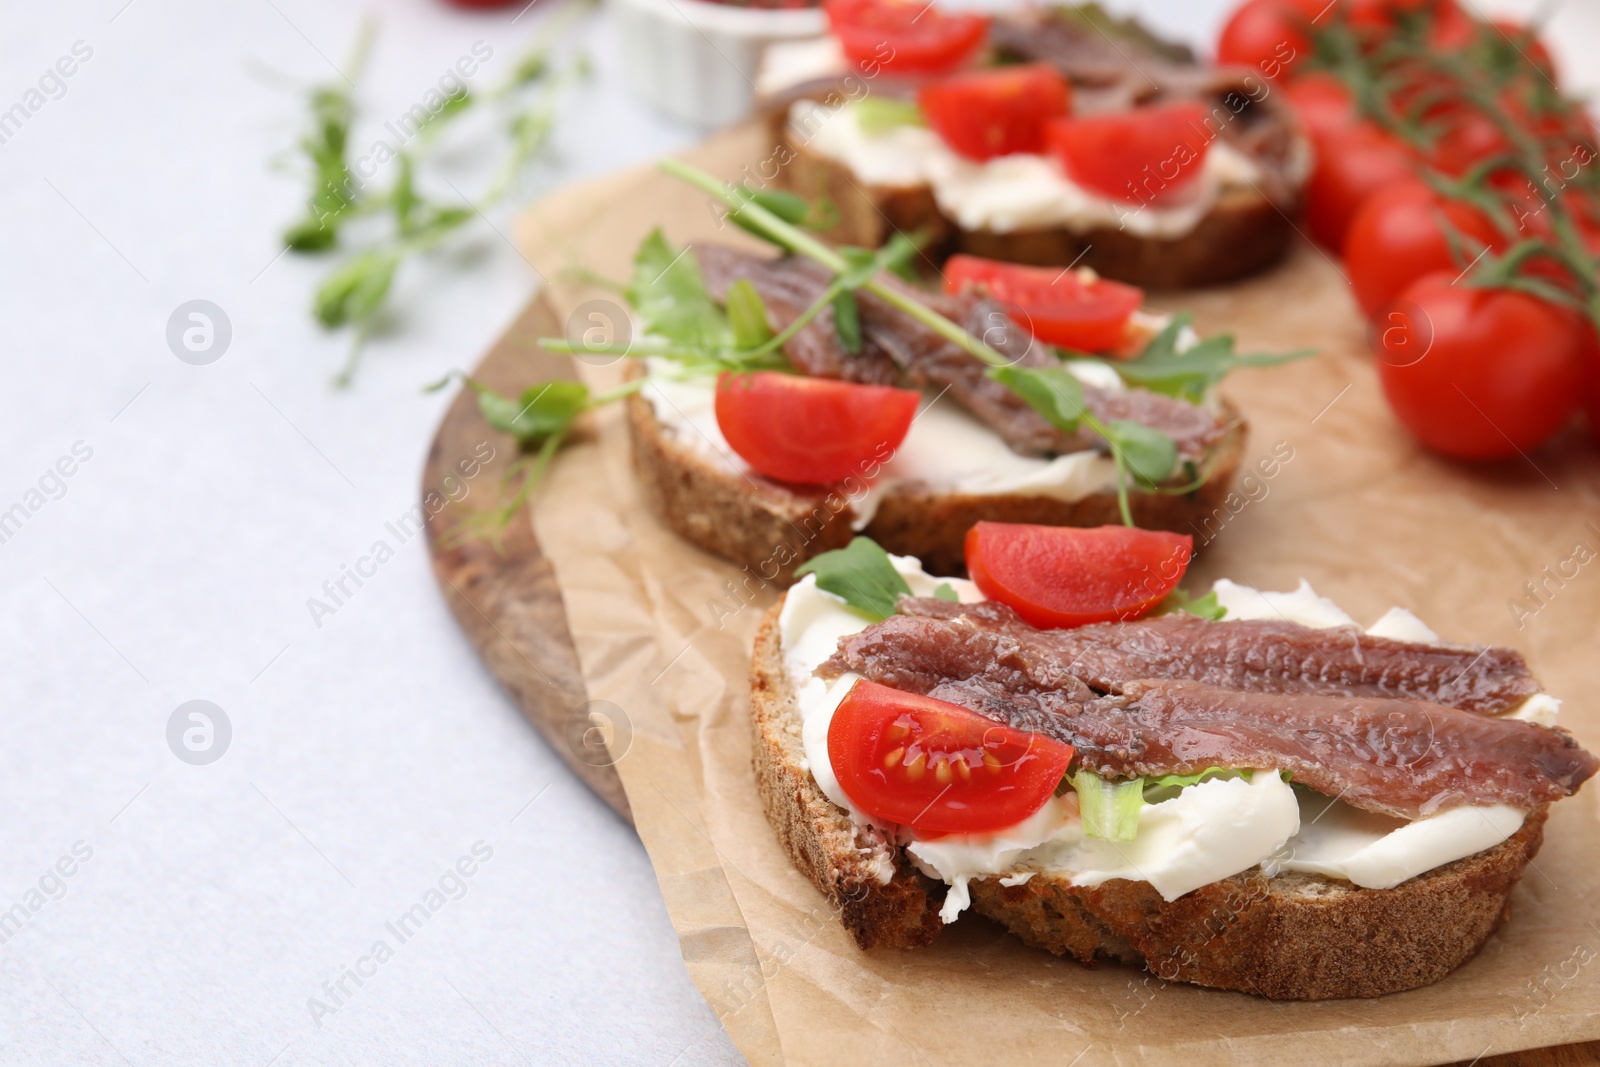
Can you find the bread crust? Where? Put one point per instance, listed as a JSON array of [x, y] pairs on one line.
[[771, 528], [1243, 234], [1293, 937]]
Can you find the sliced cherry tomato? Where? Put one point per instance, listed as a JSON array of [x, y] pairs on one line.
[[1144, 154], [1057, 306], [938, 767], [1061, 576], [1271, 35], [1399, 235], [1479, 373], [905, 36], [987, 113], [1352, 164], [1323, 103], [811, 430]]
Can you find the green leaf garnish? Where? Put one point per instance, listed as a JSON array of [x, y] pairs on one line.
[[354, 291], [847, 321], [877, 115], [747, 315], [1110, 809], [862, 575], [542, 411], [1149, 454], [1192, 373], [1053, 392], [944, 591], [669, 295], [1207, 607]]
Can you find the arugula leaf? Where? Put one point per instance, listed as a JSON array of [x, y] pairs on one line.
[[747, 315], [790, 207], [669, 295], [863, 265], [1191, 373], [877, 115], [944, 591], [354, 291], [1053, 392], [1179, 781], [1149, 454], [862, 574], [847, 321], [543, 410], [1206, 606]]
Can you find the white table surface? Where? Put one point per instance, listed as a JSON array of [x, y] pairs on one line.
[[368, 753]]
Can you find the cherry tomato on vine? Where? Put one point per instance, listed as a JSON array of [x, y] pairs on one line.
[[1352, 164], [1400, 234], [1476, 373], [1589, 348]]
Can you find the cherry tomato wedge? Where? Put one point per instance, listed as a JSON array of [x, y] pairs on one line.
[[812, 431], [1400, 234], [905, 36], [1479, 373], [1058, 306], [987, 113], [937, 767], [1063, 576], [1139, 155]]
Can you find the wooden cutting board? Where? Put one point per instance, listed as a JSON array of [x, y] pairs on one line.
[[508, 602]]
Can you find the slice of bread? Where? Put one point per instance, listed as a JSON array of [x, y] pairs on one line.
[[1245, 232], [771, 528], [1292, 937]]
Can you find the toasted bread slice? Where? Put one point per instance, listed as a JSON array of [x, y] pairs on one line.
[[771, 528], [1245, 232], [1292, 937]]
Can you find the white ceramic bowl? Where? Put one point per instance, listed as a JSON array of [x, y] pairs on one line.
[[696, 60]]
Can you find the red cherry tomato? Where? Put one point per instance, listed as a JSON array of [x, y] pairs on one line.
[[1352, 164], [811, 430], [1452, 29], [1271, 35], [1060, 576], [1399, 235], [905, 36], [987, 113], [1058, 306], [1322, 102], [1143, 154], [937, 767], [1463, 137], [1589, 355], [1478, 373], [1384, 15], [1515, 35]]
